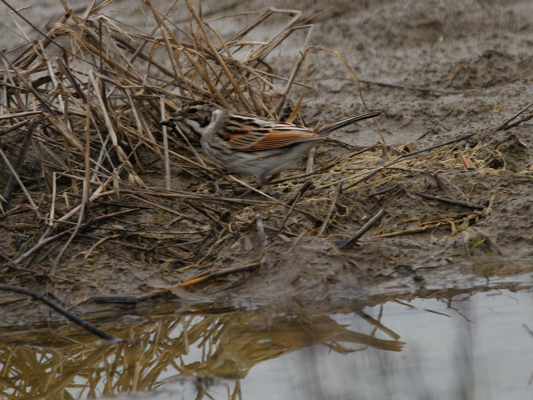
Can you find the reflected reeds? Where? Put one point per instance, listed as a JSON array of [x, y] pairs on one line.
[[66, 363]]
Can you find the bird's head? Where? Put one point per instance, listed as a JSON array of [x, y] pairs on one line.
[[195, 114]]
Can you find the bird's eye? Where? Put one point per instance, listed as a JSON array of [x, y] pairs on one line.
[[193, 110]]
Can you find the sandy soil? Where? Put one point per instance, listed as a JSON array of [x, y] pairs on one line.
[[439, 70]]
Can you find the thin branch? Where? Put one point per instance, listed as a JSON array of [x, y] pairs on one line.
[[348, 242], [67, 314]]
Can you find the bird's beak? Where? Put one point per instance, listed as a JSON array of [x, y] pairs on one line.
[[176, 116], [167, 122]]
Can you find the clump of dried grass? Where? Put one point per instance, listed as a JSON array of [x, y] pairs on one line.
[[81, 108], [79, 129]]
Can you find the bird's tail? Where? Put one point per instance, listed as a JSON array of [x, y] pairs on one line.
[[326, 129]]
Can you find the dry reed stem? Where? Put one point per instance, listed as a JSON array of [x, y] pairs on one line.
[[330, 210]]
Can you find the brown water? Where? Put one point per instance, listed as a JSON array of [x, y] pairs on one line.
[[468, 347]]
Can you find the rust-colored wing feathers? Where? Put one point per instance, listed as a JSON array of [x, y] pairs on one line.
[[264, 135], [275, 140]]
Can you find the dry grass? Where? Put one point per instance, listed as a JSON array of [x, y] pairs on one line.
[[90, 179], [82, 150], [79, 122]]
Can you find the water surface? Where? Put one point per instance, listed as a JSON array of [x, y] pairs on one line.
[[467, 347]]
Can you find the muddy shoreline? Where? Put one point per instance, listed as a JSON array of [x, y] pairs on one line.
[[439, 73]]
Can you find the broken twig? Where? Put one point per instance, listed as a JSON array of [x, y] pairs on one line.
[[345, 243]]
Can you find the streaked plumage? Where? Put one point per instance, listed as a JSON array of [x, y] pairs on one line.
[[249, 144]]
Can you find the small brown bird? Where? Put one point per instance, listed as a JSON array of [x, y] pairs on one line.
[[249, 144]]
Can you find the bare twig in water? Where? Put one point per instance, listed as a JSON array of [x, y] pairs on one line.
[[78, 321]]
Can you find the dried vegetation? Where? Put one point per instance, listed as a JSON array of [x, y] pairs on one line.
[[92, 182]]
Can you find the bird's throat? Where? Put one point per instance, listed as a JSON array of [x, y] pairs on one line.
[[218, 119]]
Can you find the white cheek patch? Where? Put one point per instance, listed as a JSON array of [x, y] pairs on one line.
[[217, 122], [207, 132], [196, 126]]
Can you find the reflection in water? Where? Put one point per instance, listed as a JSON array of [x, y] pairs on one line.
[[461, 347], [66, 363]]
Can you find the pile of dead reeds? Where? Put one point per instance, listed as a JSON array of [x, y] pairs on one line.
[[80, 133], [79, 119]]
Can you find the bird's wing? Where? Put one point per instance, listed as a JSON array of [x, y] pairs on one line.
[[255, 134]]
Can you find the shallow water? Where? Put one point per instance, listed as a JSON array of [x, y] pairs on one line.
[[472, 346]]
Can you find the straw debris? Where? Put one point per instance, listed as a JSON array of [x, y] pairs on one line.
[[92, 182]]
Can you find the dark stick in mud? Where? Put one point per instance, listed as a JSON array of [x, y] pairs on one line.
[[78, 321], [304, 188], [345, 243], [451, 201]]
